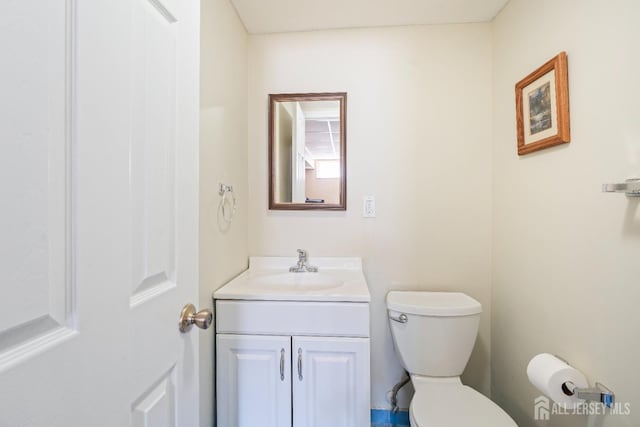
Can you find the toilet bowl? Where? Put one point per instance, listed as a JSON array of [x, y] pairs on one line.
[[434, 334]]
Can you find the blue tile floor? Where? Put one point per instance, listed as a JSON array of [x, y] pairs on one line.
[[385, 418]]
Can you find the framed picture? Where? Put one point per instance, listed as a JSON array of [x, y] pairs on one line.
[[542, 107]]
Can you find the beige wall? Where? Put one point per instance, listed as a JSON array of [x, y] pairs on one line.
[[419, 139], [223, 158], [566, 266]]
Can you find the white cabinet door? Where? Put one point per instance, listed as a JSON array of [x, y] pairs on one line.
[[99, 185], [331, 382], [253, 381]]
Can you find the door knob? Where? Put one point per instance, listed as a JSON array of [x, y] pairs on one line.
[[189, 317]]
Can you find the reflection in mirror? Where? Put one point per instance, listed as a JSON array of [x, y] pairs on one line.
[[307, 147]]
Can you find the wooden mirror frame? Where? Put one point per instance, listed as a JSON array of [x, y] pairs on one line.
[[302, 97]]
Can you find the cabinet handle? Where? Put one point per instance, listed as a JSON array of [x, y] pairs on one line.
[[300, 364], [282, 365]]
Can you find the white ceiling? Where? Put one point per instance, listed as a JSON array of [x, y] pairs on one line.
[[275, 16]]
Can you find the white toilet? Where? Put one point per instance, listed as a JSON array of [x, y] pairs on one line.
[[434, 333]]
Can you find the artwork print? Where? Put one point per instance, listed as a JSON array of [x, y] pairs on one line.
[[540, 109]]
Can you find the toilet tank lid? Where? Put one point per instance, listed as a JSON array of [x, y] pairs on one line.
[[433, 303]]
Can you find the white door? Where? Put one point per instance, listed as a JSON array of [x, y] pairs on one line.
[[253, 380], [98, 179], [298, 169], [331, 382]]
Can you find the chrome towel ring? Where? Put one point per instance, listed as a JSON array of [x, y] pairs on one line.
[[228, 202]]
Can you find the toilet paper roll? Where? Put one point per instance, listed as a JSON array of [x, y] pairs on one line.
[[548, 373]]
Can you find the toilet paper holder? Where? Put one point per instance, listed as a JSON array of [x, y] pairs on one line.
[[599, 393], [631, 187]]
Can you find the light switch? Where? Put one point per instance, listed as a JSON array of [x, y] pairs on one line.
[[368, 207]]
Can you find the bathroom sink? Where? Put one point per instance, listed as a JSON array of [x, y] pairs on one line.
[[268, 278], [304, 281]]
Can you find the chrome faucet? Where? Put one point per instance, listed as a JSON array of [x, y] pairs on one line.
[[302, 266]]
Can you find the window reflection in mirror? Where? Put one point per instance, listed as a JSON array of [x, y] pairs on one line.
[[307, 147]]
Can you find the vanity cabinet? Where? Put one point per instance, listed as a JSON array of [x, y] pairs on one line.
[[285, 363]]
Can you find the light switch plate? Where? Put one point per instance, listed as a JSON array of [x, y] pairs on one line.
[[368, 207]]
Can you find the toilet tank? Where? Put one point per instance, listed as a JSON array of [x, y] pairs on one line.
[[433, 332]]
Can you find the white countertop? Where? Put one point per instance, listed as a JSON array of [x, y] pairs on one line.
[[269, 279]]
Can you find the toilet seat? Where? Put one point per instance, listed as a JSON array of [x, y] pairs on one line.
[[455, 405]]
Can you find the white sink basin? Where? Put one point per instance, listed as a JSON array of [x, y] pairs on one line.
[[287, 281], [268, 278]]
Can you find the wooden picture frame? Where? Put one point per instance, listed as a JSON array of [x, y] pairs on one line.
[[542, 107]]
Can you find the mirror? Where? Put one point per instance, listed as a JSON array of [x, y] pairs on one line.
[[307, 151]]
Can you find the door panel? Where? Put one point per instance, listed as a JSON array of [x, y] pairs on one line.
[[252, 390], [35, 106], [153, 126], [156, 408], [331, 382]]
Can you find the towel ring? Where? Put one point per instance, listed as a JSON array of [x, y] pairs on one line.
[[228, 212]]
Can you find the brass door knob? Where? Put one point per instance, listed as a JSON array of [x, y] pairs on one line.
[[189, 317]]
